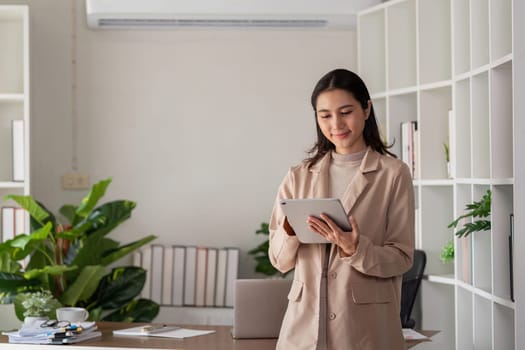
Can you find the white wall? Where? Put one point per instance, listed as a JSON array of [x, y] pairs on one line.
[[198, 127]]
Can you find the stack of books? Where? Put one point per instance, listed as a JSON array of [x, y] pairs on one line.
[[189, 275], [34, 333]]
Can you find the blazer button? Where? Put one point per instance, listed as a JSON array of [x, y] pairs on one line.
[[331, 316], [333, 275]]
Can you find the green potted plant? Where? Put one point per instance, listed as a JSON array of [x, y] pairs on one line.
[[478, 211], [447, 253], [446, 151], [260, 253], [71, 261], [38, 306]]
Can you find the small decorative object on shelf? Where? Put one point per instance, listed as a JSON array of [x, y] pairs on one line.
[[479, 209], [446, 150]]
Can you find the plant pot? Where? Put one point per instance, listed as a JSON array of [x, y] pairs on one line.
[[29, 320]]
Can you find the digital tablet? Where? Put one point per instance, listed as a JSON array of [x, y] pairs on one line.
[[298, 210]]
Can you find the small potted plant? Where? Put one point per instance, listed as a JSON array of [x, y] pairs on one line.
[[446, 151], [447, 253], [37, 306]]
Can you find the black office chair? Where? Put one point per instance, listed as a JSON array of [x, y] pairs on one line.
[[410, 287]]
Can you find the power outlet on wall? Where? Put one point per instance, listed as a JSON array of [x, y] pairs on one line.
[[75, 181]]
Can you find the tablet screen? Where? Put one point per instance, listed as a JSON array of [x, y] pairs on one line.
[[298, 210]]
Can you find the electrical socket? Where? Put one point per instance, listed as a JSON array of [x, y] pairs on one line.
[[75, 181]]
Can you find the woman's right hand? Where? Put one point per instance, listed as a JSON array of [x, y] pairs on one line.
[[287, 228]]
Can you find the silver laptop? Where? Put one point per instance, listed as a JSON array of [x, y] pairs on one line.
[[259, 306]]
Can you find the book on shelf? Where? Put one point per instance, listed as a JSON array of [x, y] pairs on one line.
[[232, 267], [13, 222], [200, 276], [146, 265], [511, 256], [20, 221], [167, 275], [179, 258], [465, 244], [136, 258], [189, 276], [220, 285], [8, 223], [211, 273], [451, 164], [156, 272], [18, 150], [409, 145]]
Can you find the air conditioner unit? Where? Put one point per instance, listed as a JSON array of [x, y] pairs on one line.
[[339, 14]]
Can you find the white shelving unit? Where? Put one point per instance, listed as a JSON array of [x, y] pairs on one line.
[[14, 94], [422, 59]]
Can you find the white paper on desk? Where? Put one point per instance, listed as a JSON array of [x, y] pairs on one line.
[[178, 333], [410, 334]]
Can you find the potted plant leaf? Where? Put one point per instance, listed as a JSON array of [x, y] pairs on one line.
[[478, 211], [71, 260], [260, 253]]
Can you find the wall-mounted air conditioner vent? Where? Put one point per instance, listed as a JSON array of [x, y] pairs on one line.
[[338, 14], [195, 22]]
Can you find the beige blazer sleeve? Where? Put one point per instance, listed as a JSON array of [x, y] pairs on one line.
[[283, 247]]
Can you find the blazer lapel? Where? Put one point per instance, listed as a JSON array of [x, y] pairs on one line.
[[321, 177], [359, 183]]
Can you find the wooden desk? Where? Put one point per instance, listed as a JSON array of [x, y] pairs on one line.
[[220, 340]]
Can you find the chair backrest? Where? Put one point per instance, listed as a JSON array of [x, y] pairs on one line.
[[410, 287]]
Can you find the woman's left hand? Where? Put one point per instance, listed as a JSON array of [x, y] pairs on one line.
[[327, 228]]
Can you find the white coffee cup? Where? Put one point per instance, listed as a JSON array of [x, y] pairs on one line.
[[72, 314]]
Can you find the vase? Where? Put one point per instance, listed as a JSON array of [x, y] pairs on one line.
[[30, 320]]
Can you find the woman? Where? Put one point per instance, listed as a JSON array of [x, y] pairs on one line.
[[346, 295]]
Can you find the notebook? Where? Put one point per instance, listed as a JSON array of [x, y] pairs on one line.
[[259, 307]]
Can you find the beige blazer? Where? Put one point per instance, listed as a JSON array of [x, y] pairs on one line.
[[364, 289]]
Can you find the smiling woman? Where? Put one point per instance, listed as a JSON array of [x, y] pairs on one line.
[[346, 294]]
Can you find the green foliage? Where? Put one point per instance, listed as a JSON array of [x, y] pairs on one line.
[[260, 254], [38, 303], [479, 209], [447, 151], [447, 254], [70, 261]]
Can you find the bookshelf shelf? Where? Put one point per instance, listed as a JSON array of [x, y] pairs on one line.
[[449, 67], [14, 96], [6, 184], [445, 279], [11, 98]]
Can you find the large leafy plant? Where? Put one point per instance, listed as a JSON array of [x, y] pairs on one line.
[[72, 260]]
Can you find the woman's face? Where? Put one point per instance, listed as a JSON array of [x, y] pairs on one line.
[[342, 120]]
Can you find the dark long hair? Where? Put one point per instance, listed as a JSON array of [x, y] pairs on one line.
[[349, 81]]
